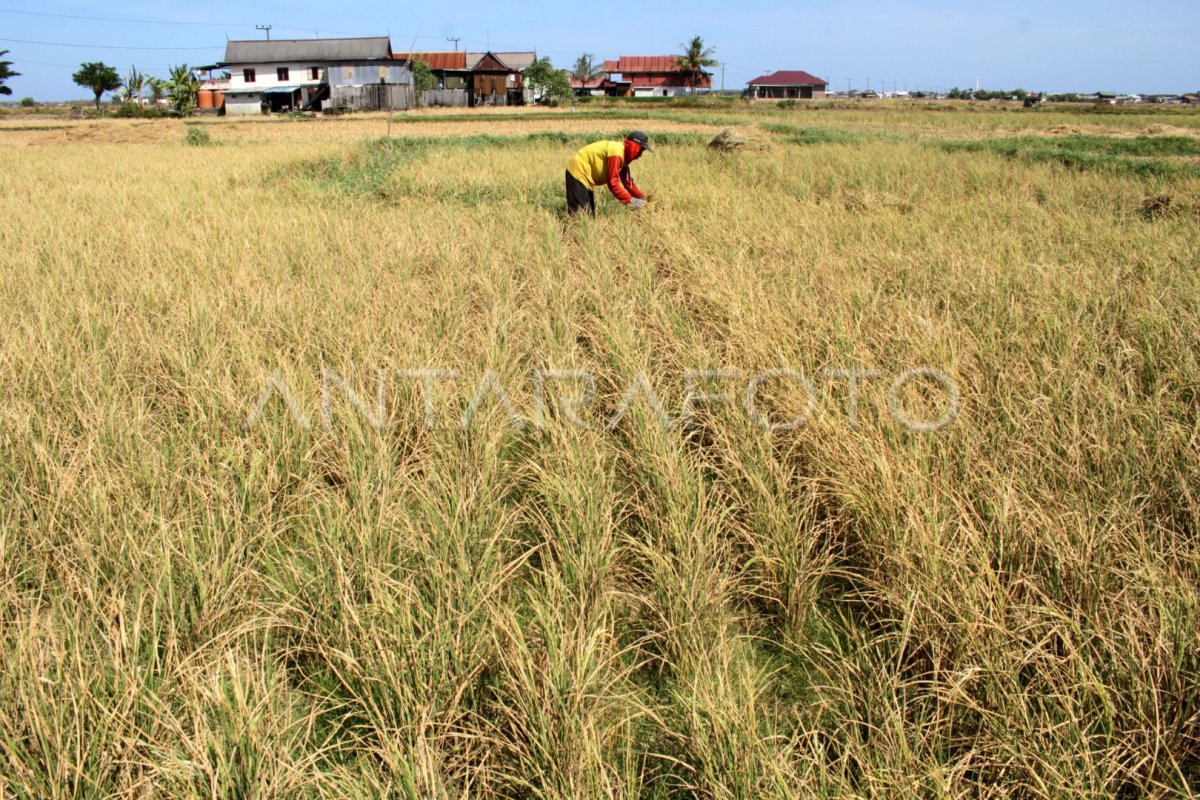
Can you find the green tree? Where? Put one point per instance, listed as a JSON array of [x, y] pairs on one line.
[[183, 90], [6, 73], [586, 69], [135, 85], [694, 59], [99, 77], [422, 77], [546, 81]]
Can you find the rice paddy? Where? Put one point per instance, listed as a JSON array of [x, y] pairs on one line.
[[860, 464]]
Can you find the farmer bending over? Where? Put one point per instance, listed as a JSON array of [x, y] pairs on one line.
[[605, 163]]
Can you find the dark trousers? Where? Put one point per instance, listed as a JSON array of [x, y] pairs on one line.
[[579, 197]]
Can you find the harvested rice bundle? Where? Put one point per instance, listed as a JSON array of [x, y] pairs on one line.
[[732, 139]]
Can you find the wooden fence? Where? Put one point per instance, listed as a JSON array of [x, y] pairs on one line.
[[372, 97], [456, 98]]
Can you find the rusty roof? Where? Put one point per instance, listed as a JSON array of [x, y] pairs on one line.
[[443, 60], [635, 64]]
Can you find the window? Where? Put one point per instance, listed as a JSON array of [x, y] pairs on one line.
[[314, 73], [383, 74], [347, 73], [282, 74], [248, 75]]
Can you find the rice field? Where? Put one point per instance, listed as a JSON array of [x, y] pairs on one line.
[[866, 464]]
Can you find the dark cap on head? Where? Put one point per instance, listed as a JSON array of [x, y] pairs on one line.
[[642, 139]]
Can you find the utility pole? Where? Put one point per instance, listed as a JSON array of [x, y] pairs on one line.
[[849, 86], [456, 40], [722, 77], [266, 28]]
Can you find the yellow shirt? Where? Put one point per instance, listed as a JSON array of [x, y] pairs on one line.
[[590, 165]]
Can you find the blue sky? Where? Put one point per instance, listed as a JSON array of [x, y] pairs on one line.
[[1052, 46]]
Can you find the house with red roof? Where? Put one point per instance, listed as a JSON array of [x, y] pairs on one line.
[[788, 85], [650, 76]]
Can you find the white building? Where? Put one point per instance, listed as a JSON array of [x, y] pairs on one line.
[[314, 74]]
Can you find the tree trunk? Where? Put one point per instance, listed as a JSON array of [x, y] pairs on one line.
[[98, 99]]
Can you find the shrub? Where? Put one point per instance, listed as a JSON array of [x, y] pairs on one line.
[[197, 137], [129, 110], [28, 102]]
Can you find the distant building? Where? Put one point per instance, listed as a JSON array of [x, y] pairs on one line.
[[788, 85], [651, 76], [598, 87], [450, 69], [1034, 99], [313, 75], [1190, 99], [476, 79], [498, 78]]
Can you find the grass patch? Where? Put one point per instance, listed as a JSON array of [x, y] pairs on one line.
[[369, 169], [28, 128], [1146, 156]]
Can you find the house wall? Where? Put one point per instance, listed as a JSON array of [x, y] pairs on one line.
[[789, 92], [361, 73], [663, 80], [450, 80], [241, 105], [266, 76], [667, 91]]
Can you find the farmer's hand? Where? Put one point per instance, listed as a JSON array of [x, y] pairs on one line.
[[637, 202]]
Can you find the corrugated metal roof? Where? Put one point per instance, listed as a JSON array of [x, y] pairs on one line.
[[443, 60], [261, 51], [634, 64], [786, 77], [516, 60]]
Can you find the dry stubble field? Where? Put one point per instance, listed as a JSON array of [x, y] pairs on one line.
[[246, 551]]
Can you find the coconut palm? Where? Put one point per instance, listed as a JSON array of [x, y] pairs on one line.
[[694, 59], [585, 69], [6, 73]]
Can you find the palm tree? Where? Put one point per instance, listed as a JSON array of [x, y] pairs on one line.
[[585, 69], [694, 59], [135, 84]]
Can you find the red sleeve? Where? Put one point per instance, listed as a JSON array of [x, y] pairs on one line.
[[627, 179], [616, 166]]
